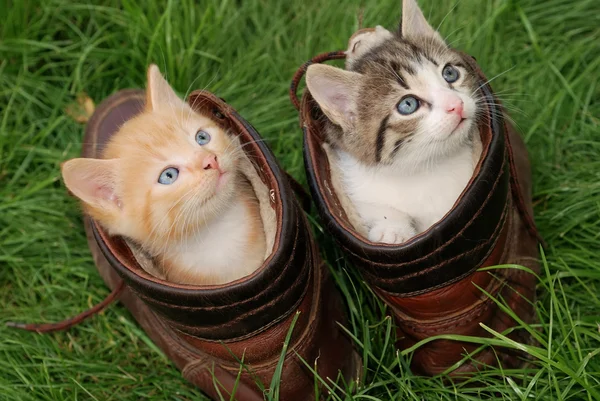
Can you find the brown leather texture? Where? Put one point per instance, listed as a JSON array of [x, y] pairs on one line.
[[207, 330], [432, 283]]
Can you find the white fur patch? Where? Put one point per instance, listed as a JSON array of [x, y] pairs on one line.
[[219, 250], [395, 206]]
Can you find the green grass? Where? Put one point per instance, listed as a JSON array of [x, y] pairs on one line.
[[246, 51]]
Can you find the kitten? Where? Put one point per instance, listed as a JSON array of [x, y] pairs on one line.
[[402, 124], [169, 180]]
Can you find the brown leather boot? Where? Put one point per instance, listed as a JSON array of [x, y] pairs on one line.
[[433, 284], [207, 330]]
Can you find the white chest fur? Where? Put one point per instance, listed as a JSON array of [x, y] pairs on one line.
[[219, 252], [383, 195]]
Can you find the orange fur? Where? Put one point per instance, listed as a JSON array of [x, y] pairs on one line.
[[253, 246], [122, 192]]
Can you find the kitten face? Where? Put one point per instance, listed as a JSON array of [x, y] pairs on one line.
[[177, 170], [405, 99], [412, 98], [163, 175]]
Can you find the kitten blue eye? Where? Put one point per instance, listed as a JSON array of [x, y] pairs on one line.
[[202, 137], [450, 74], [408, 105], [168, 176]]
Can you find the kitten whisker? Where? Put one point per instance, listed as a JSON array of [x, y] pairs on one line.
[[241, 146], [185, 97], [446, 16], [204, 88], [450, 44], [455, 42], [490, 80], [503, 105], [498, 93], [184, 211], [159, 224]]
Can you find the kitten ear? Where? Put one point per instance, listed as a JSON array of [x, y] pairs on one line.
[[414, 24], [364, 40], [159, 94], [93, 181], [336, 91]]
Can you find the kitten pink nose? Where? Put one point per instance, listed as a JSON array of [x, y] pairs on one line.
[[210, 162], [455, 106]]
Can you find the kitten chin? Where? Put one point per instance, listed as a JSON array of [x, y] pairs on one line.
[[235, 242], [170, 180], [404, 122]]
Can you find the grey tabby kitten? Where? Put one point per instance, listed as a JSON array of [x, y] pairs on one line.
[[402, 123]]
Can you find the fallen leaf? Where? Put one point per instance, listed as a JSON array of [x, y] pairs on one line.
[[81, 109]]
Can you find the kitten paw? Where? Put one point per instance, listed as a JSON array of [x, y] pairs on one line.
[[388, 233]]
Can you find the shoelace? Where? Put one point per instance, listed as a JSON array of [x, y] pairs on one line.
[[319, 58], [68, 323]]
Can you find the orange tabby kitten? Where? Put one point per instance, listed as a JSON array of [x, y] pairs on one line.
[[169, 180]]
